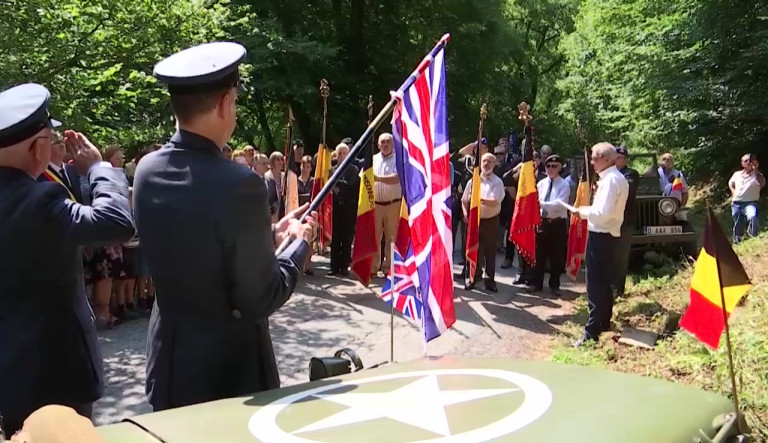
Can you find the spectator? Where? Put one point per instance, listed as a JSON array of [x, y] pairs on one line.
[[667, 176], [240, 157], [250, 153], [260, 164], [745, 186], [345, 195], [388, 195]]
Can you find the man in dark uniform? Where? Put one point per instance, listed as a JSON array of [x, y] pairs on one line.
[[628, 225], [60, 172], [345, 195], [209, 245], [49, 352]]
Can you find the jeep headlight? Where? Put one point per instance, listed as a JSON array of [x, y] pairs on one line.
[[667, 206]]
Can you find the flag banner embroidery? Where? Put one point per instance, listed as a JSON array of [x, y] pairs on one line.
[[403, 294], [473, 219], [325, 214], [578, 232], [365, 246], [527, 216], [718, 267], [420, 132]]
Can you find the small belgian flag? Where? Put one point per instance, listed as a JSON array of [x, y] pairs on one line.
[[719, 281]]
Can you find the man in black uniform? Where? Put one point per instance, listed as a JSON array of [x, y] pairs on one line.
[[345, 195], [49, 352], [628, 225], [209, 245]]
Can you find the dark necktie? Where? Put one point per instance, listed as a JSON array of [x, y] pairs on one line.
[[544, 212]]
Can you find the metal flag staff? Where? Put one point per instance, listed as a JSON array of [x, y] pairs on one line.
[[382, 115], [392, 305]]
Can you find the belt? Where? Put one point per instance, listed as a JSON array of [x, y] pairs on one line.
[[388, 203], [553, 220], [490, 218]]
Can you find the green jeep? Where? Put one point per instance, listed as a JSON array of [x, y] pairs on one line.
[[452, 399], [661, 223]]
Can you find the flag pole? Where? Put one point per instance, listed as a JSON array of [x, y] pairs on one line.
[[734, 391], [392, 305], [360, 143]]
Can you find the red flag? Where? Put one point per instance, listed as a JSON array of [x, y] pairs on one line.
[[577, 235]]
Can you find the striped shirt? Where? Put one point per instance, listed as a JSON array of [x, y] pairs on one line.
[[383, 166]]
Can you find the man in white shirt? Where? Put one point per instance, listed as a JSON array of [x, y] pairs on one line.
[[388, 194], [491, 195], [552, 234], [604, 219], [745, 186]]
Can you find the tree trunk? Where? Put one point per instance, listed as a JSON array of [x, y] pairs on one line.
[[261, 116]]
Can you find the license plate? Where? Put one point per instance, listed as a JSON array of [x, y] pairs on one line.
[[662, 230]]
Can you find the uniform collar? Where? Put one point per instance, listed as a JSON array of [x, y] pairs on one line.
[[8, 173], [190, 140]]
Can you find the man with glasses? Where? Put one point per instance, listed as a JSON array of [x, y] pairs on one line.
[[628, 225], [60, 172], [604, 219], [552, 234], [745, 186], [209, 245], [49, 350]]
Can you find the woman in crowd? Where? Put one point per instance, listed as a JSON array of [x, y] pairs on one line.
[[274, 179], [305, 182], [239, 157]]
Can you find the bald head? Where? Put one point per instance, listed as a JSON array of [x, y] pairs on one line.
[[31, 155], [603, 156]]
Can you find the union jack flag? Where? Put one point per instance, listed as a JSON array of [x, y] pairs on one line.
[[420, 132], [407, 300]]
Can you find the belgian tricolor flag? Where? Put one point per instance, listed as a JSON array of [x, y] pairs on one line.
[[578, 232], [473, 218], [719, 281], [365, 246], [325, 214], [527, 215]]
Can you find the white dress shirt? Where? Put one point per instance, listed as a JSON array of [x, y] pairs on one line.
[[607, 211], [746, 187], [383, 166], [561, 190], [491, 188]]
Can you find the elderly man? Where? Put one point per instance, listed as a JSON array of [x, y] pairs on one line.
[[49, 351], [60, 172], [745, 186], [671, 180], [388, 194], [604, 218], [345, 195], [491, 195], [552, 234], [628, 225]]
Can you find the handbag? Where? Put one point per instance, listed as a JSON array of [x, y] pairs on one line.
[[324, 367]]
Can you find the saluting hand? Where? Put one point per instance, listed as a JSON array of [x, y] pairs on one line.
[[84, 153]]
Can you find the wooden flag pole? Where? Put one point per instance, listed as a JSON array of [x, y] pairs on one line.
[[734, 391], [392, 305]]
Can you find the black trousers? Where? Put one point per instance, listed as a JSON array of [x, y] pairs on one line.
[[551, 247], [343, 234], [622, 259], [486, 251], [601, 264]]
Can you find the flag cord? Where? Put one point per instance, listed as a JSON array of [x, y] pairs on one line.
[[734, 391]]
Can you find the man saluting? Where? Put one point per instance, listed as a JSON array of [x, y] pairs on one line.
[[206, 234], [49, 351]]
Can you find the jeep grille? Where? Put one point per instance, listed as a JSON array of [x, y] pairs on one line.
[[647, 214]]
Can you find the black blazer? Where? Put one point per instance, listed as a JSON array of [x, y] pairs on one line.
[[71, 176], [49, 351], [207, 239]]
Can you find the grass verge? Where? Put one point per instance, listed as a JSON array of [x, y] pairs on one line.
[[655, 301]]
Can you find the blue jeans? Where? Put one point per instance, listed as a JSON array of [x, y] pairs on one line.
[[744, 211]]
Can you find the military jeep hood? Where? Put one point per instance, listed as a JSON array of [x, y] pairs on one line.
[[447, 399]]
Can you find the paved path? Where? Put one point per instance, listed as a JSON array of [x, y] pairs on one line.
[[326, 314]]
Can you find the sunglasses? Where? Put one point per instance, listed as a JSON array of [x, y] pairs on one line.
[[553, 166]]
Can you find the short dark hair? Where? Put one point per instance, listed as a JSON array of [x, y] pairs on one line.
[[188, 106]]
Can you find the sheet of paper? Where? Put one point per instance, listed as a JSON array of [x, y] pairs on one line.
[[566, 206]]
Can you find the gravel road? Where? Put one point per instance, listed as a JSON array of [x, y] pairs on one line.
[[326, 314]]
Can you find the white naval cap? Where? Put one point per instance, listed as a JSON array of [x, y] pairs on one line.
[[202, 68], [24, 113]]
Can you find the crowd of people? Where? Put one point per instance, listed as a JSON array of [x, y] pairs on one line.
[[202, 223]]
